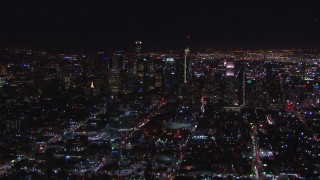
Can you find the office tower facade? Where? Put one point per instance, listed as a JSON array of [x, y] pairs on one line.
[[242, 87], [230, 68], [118, 61], [138, 54], [141, 65], [170, 76], [186, 65], [138, 45], [158, 75], [114, 81]]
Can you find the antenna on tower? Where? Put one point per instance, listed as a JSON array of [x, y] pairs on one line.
[[188, 41]]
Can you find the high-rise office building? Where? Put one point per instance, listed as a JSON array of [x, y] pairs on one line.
[[242, 87], [170, 76], [186, 65], [141, 64], [138, 47], [230, 68], [3, 70], [138, 56], [114, 81], [145, 73], [118, 60], [158, 75]]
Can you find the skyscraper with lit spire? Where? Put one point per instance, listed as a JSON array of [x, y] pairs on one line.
[[186, 55], [186, 64]]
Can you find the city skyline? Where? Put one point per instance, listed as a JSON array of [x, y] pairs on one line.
[[159, 90], [177, 115]]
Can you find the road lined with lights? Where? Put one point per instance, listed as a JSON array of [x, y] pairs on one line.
[[173, 170], [257, 164], [147, 119]]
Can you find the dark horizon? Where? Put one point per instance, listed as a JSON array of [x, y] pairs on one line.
[[160, 25]]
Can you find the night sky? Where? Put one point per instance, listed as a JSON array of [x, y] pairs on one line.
[[106, 24]]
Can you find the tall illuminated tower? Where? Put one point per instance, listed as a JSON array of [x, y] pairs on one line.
[[138, 47], [229, 68], [186, 55], [137, 55], [187, 62], [118, 60]]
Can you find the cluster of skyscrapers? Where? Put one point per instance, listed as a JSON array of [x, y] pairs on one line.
[[147, 115]]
